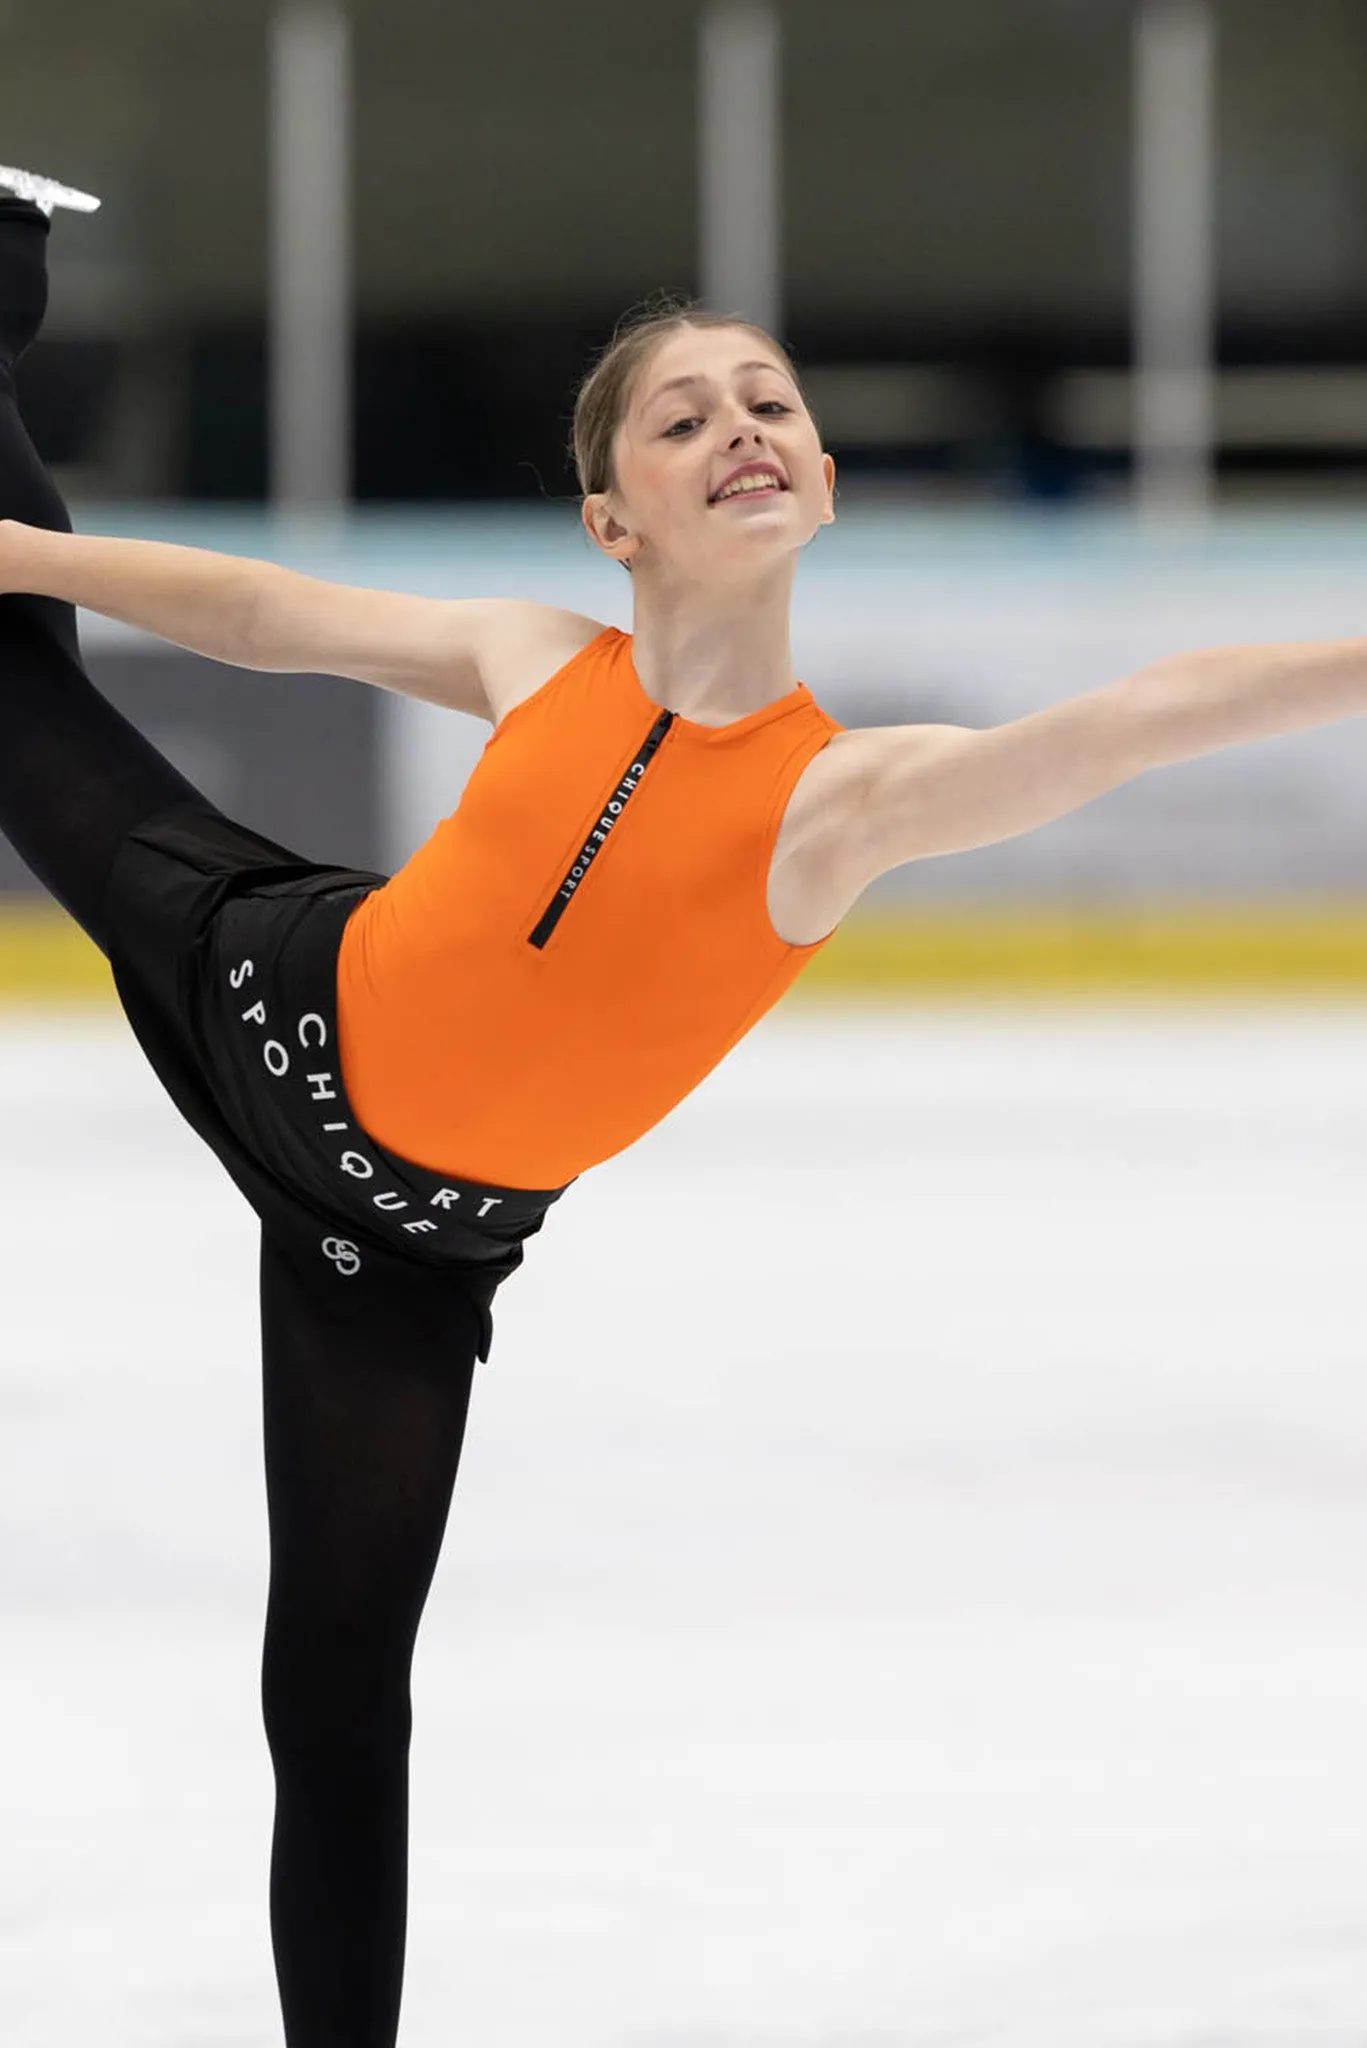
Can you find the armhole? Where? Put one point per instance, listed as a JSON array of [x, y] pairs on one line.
[[795, 767], [558, 675]]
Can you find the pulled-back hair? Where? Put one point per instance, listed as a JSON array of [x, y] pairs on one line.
[[606, 392]]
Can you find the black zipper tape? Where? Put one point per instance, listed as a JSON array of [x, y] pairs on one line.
[[598, 835]]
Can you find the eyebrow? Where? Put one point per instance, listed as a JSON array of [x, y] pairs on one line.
[[680, 383]]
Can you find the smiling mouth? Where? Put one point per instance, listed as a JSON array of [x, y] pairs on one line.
[[764, 484]]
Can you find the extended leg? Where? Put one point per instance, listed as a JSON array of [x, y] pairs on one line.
[[367, 1383], [75, 776]]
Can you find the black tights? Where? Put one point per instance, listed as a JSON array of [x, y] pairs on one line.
[[366, 1389], [365, 1403]]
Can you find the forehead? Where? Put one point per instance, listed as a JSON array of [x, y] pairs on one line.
[[715, 355]]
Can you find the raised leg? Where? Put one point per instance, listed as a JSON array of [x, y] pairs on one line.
[[367, 1383], [75, 776]]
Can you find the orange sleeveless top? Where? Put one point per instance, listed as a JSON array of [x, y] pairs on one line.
[[583, 939]]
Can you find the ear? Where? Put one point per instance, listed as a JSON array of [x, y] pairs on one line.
[[606, 531], [828, 471]]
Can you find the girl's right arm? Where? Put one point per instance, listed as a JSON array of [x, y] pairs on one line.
[[480, 655]]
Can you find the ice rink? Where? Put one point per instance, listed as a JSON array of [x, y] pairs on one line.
[[907, 1584]]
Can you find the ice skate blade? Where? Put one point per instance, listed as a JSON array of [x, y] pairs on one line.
[[45, 193]]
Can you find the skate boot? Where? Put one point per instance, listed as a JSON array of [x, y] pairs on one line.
[[44, 193], [26, 206]]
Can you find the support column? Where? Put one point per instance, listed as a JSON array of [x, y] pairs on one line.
[[310, 259], [740, 153], [1174, 258]]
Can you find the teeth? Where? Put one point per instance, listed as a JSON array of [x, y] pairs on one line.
[[766, 482]]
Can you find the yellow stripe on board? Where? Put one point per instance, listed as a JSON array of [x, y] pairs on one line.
[[45, 957], [1307, 948], [1318, 948]]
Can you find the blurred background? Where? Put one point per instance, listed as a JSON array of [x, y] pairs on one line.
[[1078, 287], [908, 1570]]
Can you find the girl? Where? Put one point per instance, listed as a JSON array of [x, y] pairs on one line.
[[402, 1076]]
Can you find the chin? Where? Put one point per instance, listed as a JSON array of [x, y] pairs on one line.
[[773, 533], [762, 541]]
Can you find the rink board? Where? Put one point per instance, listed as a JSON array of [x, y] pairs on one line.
[[1315, 950]]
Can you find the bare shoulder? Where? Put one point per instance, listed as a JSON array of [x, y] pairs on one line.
[[814, 875], [522, 645], [830, 846]]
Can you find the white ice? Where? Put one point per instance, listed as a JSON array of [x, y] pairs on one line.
[[907, 1584]]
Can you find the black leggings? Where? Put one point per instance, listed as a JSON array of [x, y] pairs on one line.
[[366, 1390]]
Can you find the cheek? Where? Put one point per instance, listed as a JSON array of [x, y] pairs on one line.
[[663, 483], [812, 458], [667, 489], [638, 474]]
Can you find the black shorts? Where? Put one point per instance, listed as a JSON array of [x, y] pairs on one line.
[[224, 951]]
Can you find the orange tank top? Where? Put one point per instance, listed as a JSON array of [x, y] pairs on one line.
[[583, 939]]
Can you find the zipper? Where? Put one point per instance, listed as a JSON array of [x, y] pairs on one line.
[[598, 834]]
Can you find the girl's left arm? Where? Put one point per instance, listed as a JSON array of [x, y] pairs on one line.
[[906, 792]]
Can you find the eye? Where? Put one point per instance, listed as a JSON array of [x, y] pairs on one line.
[[771, 405], [680, 427]]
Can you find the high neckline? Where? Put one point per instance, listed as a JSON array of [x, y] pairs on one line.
[[790, 701]]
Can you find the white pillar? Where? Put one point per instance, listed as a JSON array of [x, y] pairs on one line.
[[740, 153], [1174, 258], [310, 237]]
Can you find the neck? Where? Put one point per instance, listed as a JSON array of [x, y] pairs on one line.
[[715, 655]]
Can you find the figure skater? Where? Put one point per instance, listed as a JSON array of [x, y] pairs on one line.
[[402, 1076]]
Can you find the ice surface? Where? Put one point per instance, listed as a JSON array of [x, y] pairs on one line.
[[907, 1585]]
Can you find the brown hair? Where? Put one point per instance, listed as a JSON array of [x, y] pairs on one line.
[[606, 392]]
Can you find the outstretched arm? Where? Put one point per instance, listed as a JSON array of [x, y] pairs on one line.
[[875, 799], [912, 791], [471, 654]]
